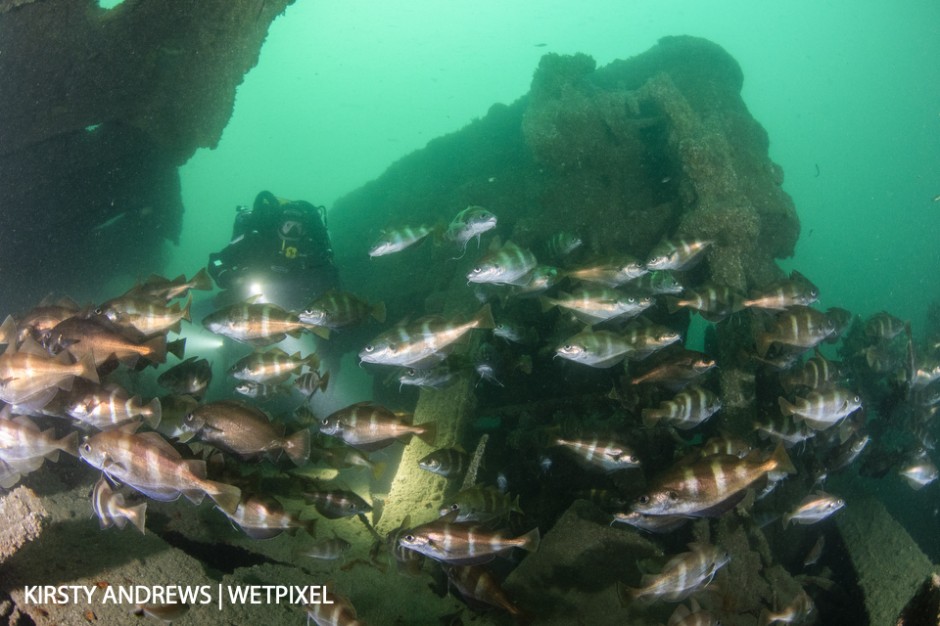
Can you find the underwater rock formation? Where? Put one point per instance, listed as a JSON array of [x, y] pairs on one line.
[[99, 108]]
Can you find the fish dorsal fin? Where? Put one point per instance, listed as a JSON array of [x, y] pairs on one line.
[[130, 427], [157, 441], [450, 518], [253, 299], [25, 422], [277, 352], [31, 346]]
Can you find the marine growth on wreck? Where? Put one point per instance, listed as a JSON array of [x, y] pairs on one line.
[[595, 397]]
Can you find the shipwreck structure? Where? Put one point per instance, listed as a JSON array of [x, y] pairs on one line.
[[98, 110]]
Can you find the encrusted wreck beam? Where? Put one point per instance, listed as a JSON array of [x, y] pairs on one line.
[[889, 564], [415, 492], [98, 109]]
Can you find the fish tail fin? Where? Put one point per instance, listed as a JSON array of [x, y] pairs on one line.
[[201, 281], [429, 434], [378, 469], [185, 313], [781, 460], [672, 304], [177, 348], [226, 496], [312, 361], [155, 410], [8, 330], [786, 519], [546, 303], [531, 540], [69, 443], [763, 342], [310, 526], [765, 618], [625, 594], [297, 446], [785, 407], [484, 318], [320, 331], [324, 380], [378, 312], [651, 417], [514, 506], [137, 516], [88, 371], [156, 349]]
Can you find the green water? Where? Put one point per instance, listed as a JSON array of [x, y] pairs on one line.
[[344, 89]]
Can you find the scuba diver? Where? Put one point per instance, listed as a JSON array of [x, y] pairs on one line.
[[280, 249]]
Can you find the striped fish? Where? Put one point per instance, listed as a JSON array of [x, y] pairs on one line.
[[709, 487], [339, 309], [822, 409], [395, 240], [650, 523], [476, 584], [510, 265], [562, 244], [798, 326], [108, 406], [785, 429], [601, 348], [683, 575], [311, 382], [816, 372], [111, 510], [160, 287], [328, 549], [369, 426], [596, 305], [692, 615], [24, 448], [261, 517], [146, 462], [649, 338], [660, 282], [463, 544], [192, 377], [272, 366], [784, 293], [481, 504], [611, 272], [676, 254], [469, 223], [713, 302], [245, 430], [814, 508], [336, 503], [423, 342], [258, 324], [335, 610], [147, 316], [28, 373], [606, 455], [884, 326], [446, 462], [687, 409], [675, 368]]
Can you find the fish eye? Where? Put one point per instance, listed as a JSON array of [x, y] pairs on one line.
[[857, 399], [99, 311], [454, 507], [643, 499], [477, 270], [86, 447], [673, 495], [369, 348], [408, 538], [189, 417]]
